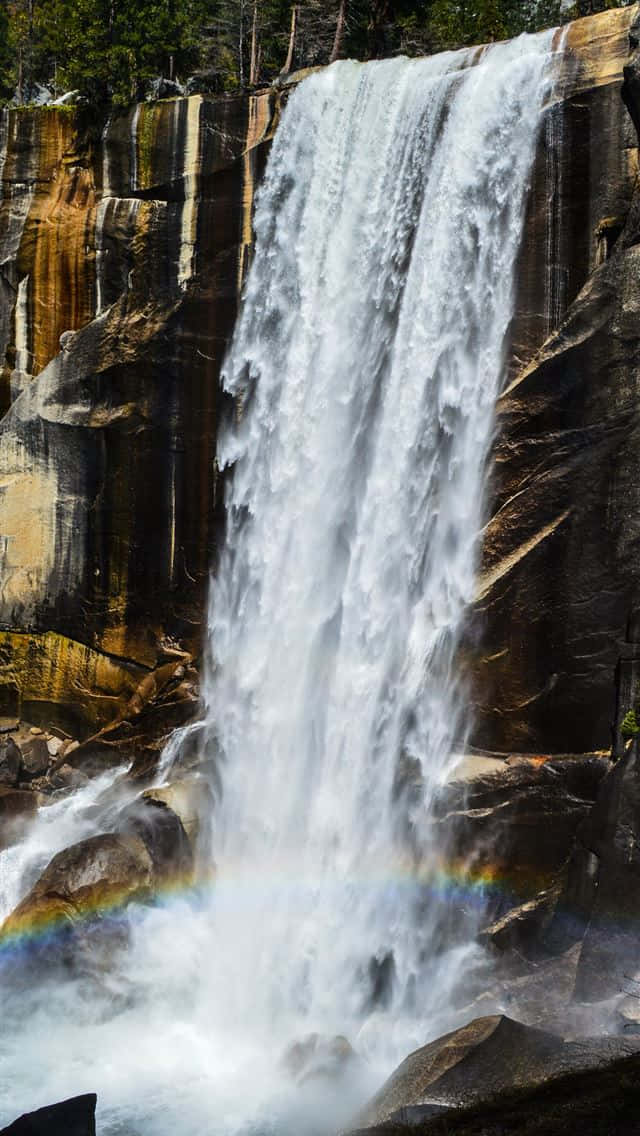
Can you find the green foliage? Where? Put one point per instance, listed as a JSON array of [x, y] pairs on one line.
[[630, 727], [5, 56], [109, 50]]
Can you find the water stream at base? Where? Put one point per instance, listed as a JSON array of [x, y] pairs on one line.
[[367, 359]]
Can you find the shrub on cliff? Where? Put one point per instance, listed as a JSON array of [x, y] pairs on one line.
[[630, 727]]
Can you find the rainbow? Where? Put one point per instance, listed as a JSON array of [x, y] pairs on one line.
[[46, 921]]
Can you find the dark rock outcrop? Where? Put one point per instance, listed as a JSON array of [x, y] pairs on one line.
[[162, 834], [592, 904], [487, 1057], [600, 900], [599, 1102], [74, 1117], [493, 820]]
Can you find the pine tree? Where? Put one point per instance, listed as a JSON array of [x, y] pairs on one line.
[[6, 61], [109, 50]]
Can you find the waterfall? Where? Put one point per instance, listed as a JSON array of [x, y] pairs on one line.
[[367, 359], [135, 118], [365, 366]]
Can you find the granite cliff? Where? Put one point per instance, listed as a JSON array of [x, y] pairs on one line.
[[121, 266], [558, 590], [121, 261]]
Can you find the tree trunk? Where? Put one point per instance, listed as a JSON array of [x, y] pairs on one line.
[[292, 41], [29, 60], [171, 14], [336, 50], [241, 45], [254, 66], [376, 29]]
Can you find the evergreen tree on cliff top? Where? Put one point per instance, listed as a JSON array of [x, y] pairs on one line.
[[110, 50]]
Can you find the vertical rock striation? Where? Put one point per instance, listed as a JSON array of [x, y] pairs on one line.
[[558, 589], [120, 271]]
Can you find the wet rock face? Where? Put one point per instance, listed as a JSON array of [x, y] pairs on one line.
[[586, 919], [516, 824], [597, 896], [558, 589], [121, 271], [610, 956]]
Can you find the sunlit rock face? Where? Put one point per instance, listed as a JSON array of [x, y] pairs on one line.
[[121, 261], [558, 587]]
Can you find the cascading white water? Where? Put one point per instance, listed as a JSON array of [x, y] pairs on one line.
[[369, 356], [367, 360]]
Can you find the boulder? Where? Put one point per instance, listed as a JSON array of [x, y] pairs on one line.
[[173, 822], [472, 1063], [489, 1056], [74, 1117], [598, 1102], [320, 1058], [594, 900], [88, 881], [36, 758], [10, 763], [191, 799], [95, 756], [628, 1012], [537, 994], [66, 777], [163, 835]]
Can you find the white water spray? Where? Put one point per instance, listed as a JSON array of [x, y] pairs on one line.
[[369, 355], [367, 358]]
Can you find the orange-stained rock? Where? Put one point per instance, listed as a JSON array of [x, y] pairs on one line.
[[118, 295], [122, 265]]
